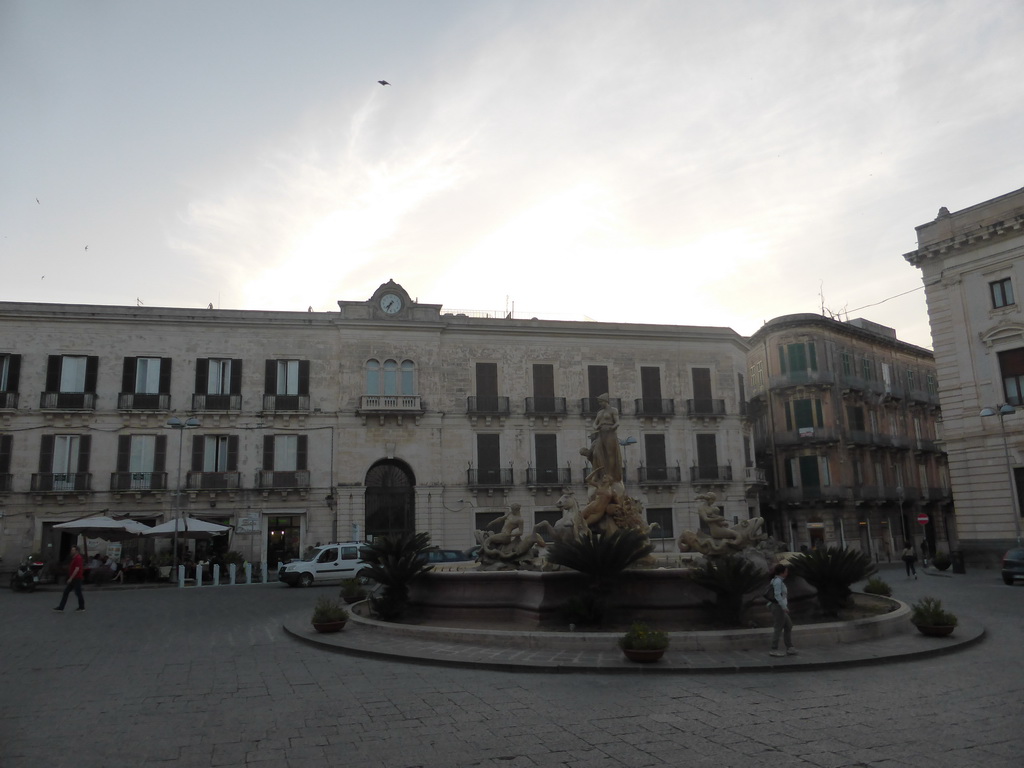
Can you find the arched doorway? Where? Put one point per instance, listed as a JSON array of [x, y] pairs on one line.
[[390, 498]]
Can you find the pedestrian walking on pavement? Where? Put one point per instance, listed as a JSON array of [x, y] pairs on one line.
[[909, 556], [925, 551], [782, 623], [76, 571]]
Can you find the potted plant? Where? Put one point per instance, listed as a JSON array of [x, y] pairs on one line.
[[930, 619], [643, 644], [942, 561], [876, 586], [329, 615], [352, 591]]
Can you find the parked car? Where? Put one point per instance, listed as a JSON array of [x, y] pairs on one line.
[[446, 556], [326, 564], [1013, 565]]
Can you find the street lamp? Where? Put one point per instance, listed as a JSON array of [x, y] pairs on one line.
[[181, 426], [1001, 411]]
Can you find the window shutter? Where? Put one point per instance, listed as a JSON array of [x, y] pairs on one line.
[[486, 379], [650, 382], [46, 453], [124, 452], [701, 383], [819, 413], [597, 381], [236, 377], [304, 378], [128, 375], [92, 365], [268, 452], [5, 453], [782, 359], [202, 376], [707, 451], [233, 453], [84, 444], [546, 448], [13, 372], [160, 454], [165, 375], [654, 451], [488, 455], [813, 355], [269, 379], [198, 451], [53, 363], [543, 380], [301, 451]]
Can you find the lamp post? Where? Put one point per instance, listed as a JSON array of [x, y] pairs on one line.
[[181, 426], [1001, 411]]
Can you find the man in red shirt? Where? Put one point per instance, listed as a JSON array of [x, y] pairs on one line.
[[76, 572]]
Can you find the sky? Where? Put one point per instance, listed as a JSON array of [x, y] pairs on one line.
[[675, 162]]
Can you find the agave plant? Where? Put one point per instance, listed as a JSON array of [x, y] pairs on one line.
[[731, 578], [832, 571], [394, 561]]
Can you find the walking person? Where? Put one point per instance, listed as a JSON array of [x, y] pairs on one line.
[[76, 571], [925, 551], [782, 623], [908, 557]]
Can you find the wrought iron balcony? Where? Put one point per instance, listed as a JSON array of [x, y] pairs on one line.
[[286, 402], [138, 481], [754, 475], [548, 476], [216, 402], [927, 446], [658, 475], [143, 401], [61, 482], [589, 406], [711, 473], [487, 406], [802, 378], [213, 481], [654, 406], [6, 482], [936, 494], [282, 479], [807, 435], [828, 493], [68, 401], [545, 406], [702, 407], [860, 437], [8, 400], [901, 442], [922, 397], [500, 477]]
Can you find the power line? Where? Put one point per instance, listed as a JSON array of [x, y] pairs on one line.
[[858, 309]]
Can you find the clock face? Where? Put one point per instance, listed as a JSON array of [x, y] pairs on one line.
[[390, 303]]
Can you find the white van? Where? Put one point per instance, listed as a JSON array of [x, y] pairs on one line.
[[327, 564]]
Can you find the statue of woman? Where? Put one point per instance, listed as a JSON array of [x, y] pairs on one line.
[[605, 452]]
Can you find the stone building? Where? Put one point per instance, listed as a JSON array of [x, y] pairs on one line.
[[847, 426], [389, 414], [971, 265]]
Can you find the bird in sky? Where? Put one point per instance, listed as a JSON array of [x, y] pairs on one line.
[[87, 247], [384, 82], [37, 200]]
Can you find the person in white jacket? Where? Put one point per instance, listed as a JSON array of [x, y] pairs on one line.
[[783, 625]]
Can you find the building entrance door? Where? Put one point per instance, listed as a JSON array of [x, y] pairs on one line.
[[390, 499]]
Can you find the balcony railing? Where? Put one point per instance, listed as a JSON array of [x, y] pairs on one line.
[[68, 401], [927, 446], [860, 437], [286, 402], [8, 400], [61, 482], [646, 406], [213, 481], [548, 476], [590, 406], [143, 401], [489, 406], [901, 442], [6, 482], [138, 481], [802, 378], [282, 479], [216, 402], [935, 494], [545, 406], [807, 435], [489, 478], [754, 475], [923, 396], [658, 475], [814, 493], [711, 473], [705, 407]]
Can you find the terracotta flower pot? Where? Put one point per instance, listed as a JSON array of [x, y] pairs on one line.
[[934, 631], [644, 656], [329, 626]]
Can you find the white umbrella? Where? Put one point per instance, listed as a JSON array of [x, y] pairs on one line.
[[188, 528], [100, 527]]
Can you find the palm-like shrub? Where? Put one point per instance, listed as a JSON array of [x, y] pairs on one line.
[[602, 557], [832, 571], [731, 578], [394, 561], [876, 586], [928, 612]]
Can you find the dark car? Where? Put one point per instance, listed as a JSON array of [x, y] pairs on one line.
[[1013, 565], [445, 556]]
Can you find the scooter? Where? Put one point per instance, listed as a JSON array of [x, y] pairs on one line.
[[26, 577]]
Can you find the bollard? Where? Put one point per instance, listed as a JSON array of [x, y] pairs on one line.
[[263, 571], [181, 576], [199, 575], [216, 575], [248, 573], [231, 573]]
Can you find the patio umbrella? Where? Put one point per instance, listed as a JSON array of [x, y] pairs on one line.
[[101, 527], [188, 528]]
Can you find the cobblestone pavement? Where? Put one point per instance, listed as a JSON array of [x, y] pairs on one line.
[[208, 678]]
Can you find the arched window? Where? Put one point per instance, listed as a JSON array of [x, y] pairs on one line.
[[408, 378], [372, 377], [390, 378]]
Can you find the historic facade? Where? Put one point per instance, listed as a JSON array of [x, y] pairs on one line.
[[971, 265], [297, 428], [847, 427]]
